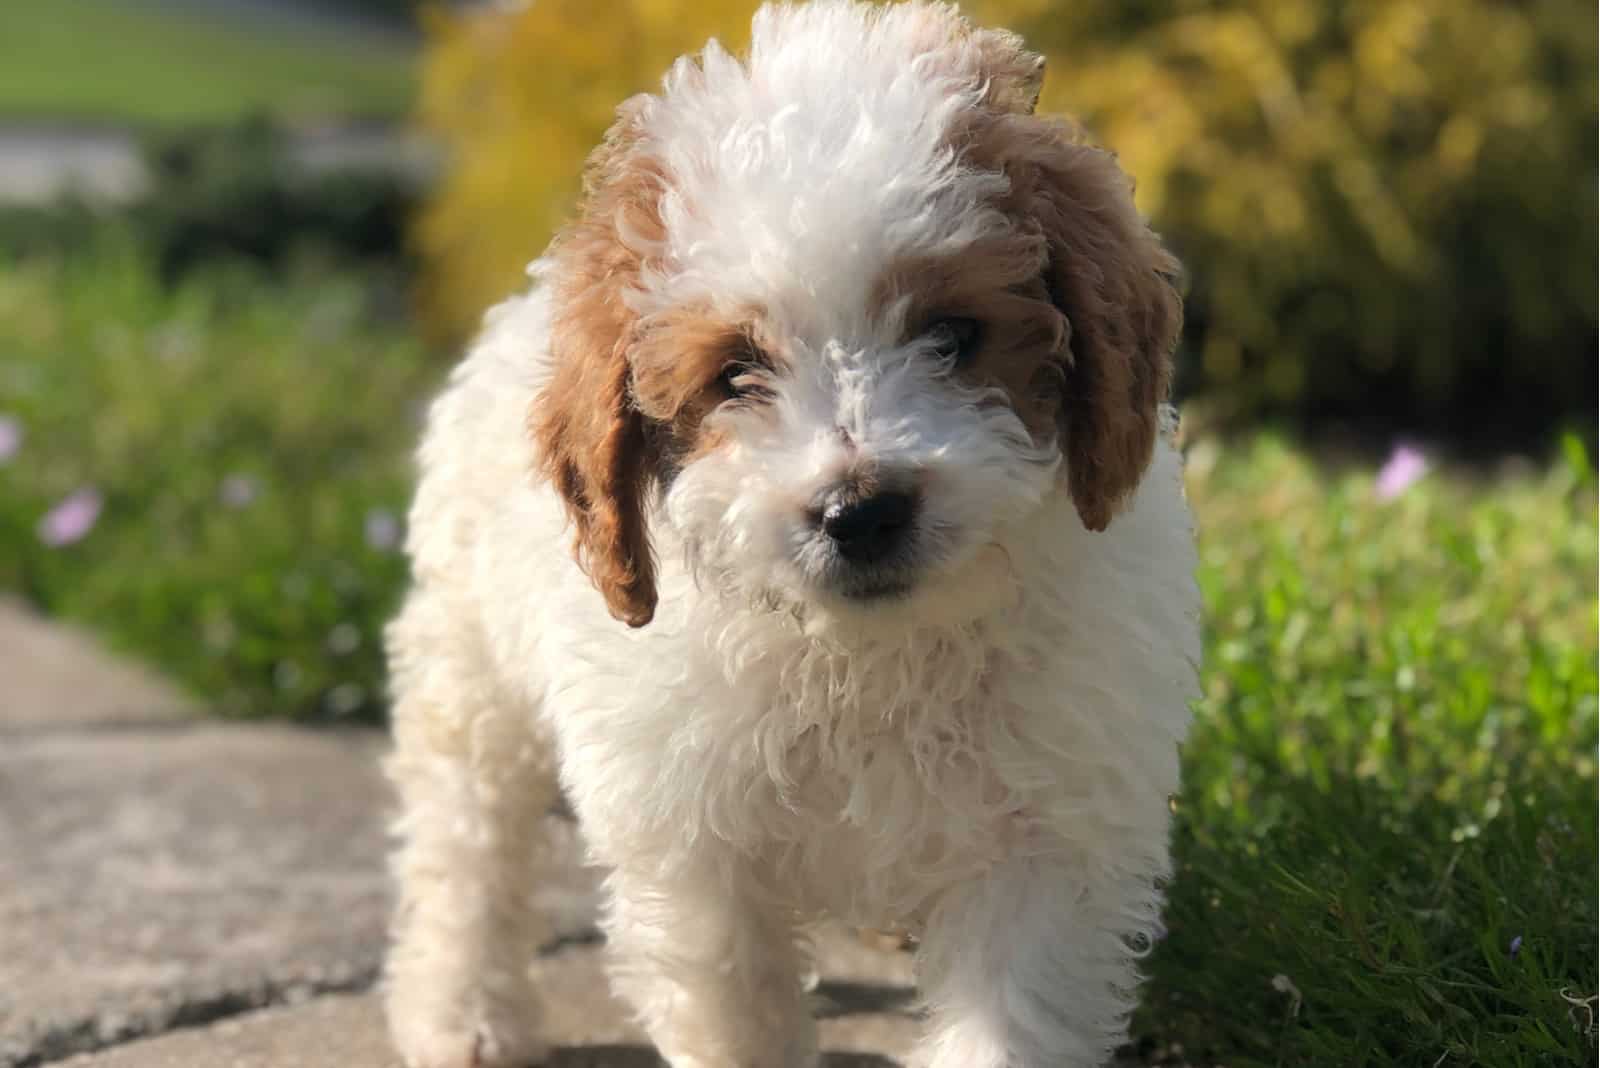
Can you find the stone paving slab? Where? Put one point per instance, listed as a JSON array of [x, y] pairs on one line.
[[53, 676], [152, 876], [178, 892], [588, 1026], [202, 892]]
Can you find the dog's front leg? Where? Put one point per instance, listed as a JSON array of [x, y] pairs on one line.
[[1032, 967], [713, 973], [474, 843]]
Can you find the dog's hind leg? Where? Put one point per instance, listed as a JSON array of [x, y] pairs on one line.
[[474, 780]]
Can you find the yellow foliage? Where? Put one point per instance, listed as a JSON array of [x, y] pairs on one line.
[[1381, 202], [1369, 194], [518, 95]]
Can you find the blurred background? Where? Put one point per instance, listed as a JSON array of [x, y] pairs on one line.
[[242, 241]]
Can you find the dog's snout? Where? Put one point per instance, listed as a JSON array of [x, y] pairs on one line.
[[866, 527]]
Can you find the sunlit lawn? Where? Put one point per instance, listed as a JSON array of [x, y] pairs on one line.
[[1390, 800], [132, 61], [1387, 836]]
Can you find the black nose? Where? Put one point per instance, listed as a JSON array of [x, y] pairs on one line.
[[865, 529]]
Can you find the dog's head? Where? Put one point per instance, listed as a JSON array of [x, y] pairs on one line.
[[845, 313]]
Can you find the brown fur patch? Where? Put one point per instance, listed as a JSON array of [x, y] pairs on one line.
[[999, 284], [1114, 281], [1100, 266], [591, 437], [681, 367], [627, 397], [681, 363]]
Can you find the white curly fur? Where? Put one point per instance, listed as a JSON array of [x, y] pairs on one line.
[[987, 761]]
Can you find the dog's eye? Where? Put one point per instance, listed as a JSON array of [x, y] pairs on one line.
[[742, 375], [735, 379], [955, 339]]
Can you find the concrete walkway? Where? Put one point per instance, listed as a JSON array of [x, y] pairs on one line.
[[182, 893], [40, 163]]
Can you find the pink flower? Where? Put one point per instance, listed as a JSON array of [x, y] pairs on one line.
[[72, 519], [382, 529], [10, 437], [1405, 465], [239, 491]]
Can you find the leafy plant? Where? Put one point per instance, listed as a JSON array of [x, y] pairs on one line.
[[1388, 220], [239, 450], [234, 191]]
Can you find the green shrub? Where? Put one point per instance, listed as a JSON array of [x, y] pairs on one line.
[[63, 225], [250, 442], [233, 191], [394, 10], [1386, 206]]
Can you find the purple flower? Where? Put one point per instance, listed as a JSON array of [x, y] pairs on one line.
[[343, 639], [1516, 946], [1404, 466], [10, 437], [383, 529], [73, 518], [239, 491]]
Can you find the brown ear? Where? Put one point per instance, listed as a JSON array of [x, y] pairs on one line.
[[1105, 271], [592, 441], [1111, 277]]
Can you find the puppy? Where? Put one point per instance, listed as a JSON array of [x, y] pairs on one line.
[[846, 390]]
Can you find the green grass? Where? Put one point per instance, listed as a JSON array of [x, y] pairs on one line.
[[1391, 776], [127, 61]]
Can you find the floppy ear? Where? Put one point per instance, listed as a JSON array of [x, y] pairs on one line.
[[1116, 284], [1104, 270], [593, 443]]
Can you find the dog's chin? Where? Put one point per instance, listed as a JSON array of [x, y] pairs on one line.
[[909, 599], [877, 591]]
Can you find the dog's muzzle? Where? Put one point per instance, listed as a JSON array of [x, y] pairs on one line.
[[869, 533]]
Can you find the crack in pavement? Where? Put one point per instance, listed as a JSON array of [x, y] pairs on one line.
[[101, 1032]]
